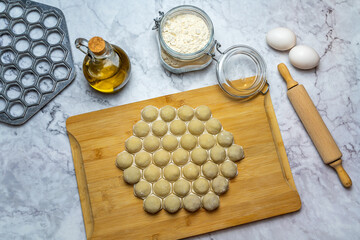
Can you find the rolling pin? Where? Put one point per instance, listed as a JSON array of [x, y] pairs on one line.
[[314, 125]]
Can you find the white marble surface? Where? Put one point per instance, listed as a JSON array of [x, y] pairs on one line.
[[38, 191]]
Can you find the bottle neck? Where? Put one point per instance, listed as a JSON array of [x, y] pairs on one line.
[[108, 53]]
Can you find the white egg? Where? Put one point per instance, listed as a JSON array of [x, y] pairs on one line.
[[281, 39], [304, 57]]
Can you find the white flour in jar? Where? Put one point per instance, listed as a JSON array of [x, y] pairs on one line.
[[186, 33]]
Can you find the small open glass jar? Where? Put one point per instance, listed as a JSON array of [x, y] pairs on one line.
[[241, 71]]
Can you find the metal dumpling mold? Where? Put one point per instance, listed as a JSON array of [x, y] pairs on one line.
[[36, 62]]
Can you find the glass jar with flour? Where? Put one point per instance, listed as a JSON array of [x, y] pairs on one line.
[[186, 43], [185, 37]]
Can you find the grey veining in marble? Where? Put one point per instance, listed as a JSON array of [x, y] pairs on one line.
[[38, 190]]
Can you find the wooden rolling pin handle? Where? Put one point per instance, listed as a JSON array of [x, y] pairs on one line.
[[284, 71], [344, 177]]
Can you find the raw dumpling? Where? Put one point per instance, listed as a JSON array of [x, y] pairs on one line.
[[203, 113], [151, 143], [180, 157], [159, 128], [225, 138], [132, 175], [181, 187], [207, 141], [196, 127], [188, 141], [201, 186], [220, 185], [142, 189], [192, 203], [141, 129], [168, 113], [152, 173], [186, 113], [199, 156], [152, 204], [169, 143], [133, 144], [228, 169], [149, 113], [172, 204], [177, 127], [171, 173], [235, 153], [217, 154], [162, 188], [191, 171], [211, 201], [161, 158], [210, 170], [213, 126], [124, 160], [142, 159]]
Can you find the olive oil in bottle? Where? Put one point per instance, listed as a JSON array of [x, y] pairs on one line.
[[106, 67]]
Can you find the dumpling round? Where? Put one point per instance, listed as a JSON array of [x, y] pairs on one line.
[[149, 113], [171, 173], [207, 141], [188, 141], [203, 113], [196, 127], [225, 138], [213, 126], [172, 204], [199, 156], [169, 143], [210, 170], [152, 204], [177, 127], [180, 156], [142, 159], [201, 186], [181, 187], [220, 185], [159, 128], [218, 154], [151, 143], [191, 171], [124, 160], [161, 158], [152, 173], [228, 169], [235, 152], [142, 189], [211, 201], [186, 113], [141, 129], [133, 144], [162, 188], [167, 113], [132, 175], [192, 203]]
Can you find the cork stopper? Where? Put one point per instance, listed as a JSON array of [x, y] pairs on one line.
[[97, 45]]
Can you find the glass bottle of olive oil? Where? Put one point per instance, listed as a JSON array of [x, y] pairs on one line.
[[106, 66]]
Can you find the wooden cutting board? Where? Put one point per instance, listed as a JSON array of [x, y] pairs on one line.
[[264, 187]]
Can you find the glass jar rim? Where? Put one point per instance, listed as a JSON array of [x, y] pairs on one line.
[[258, 82], [208, 22]]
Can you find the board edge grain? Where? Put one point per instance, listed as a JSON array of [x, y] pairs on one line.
[[279, 145], [82, 185]]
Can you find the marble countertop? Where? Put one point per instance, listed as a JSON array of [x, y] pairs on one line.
[[38, 190]]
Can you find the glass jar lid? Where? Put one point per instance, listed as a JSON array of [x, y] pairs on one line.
[[241, 72]]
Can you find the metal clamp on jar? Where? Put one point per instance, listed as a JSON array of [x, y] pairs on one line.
[[241, 71]]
